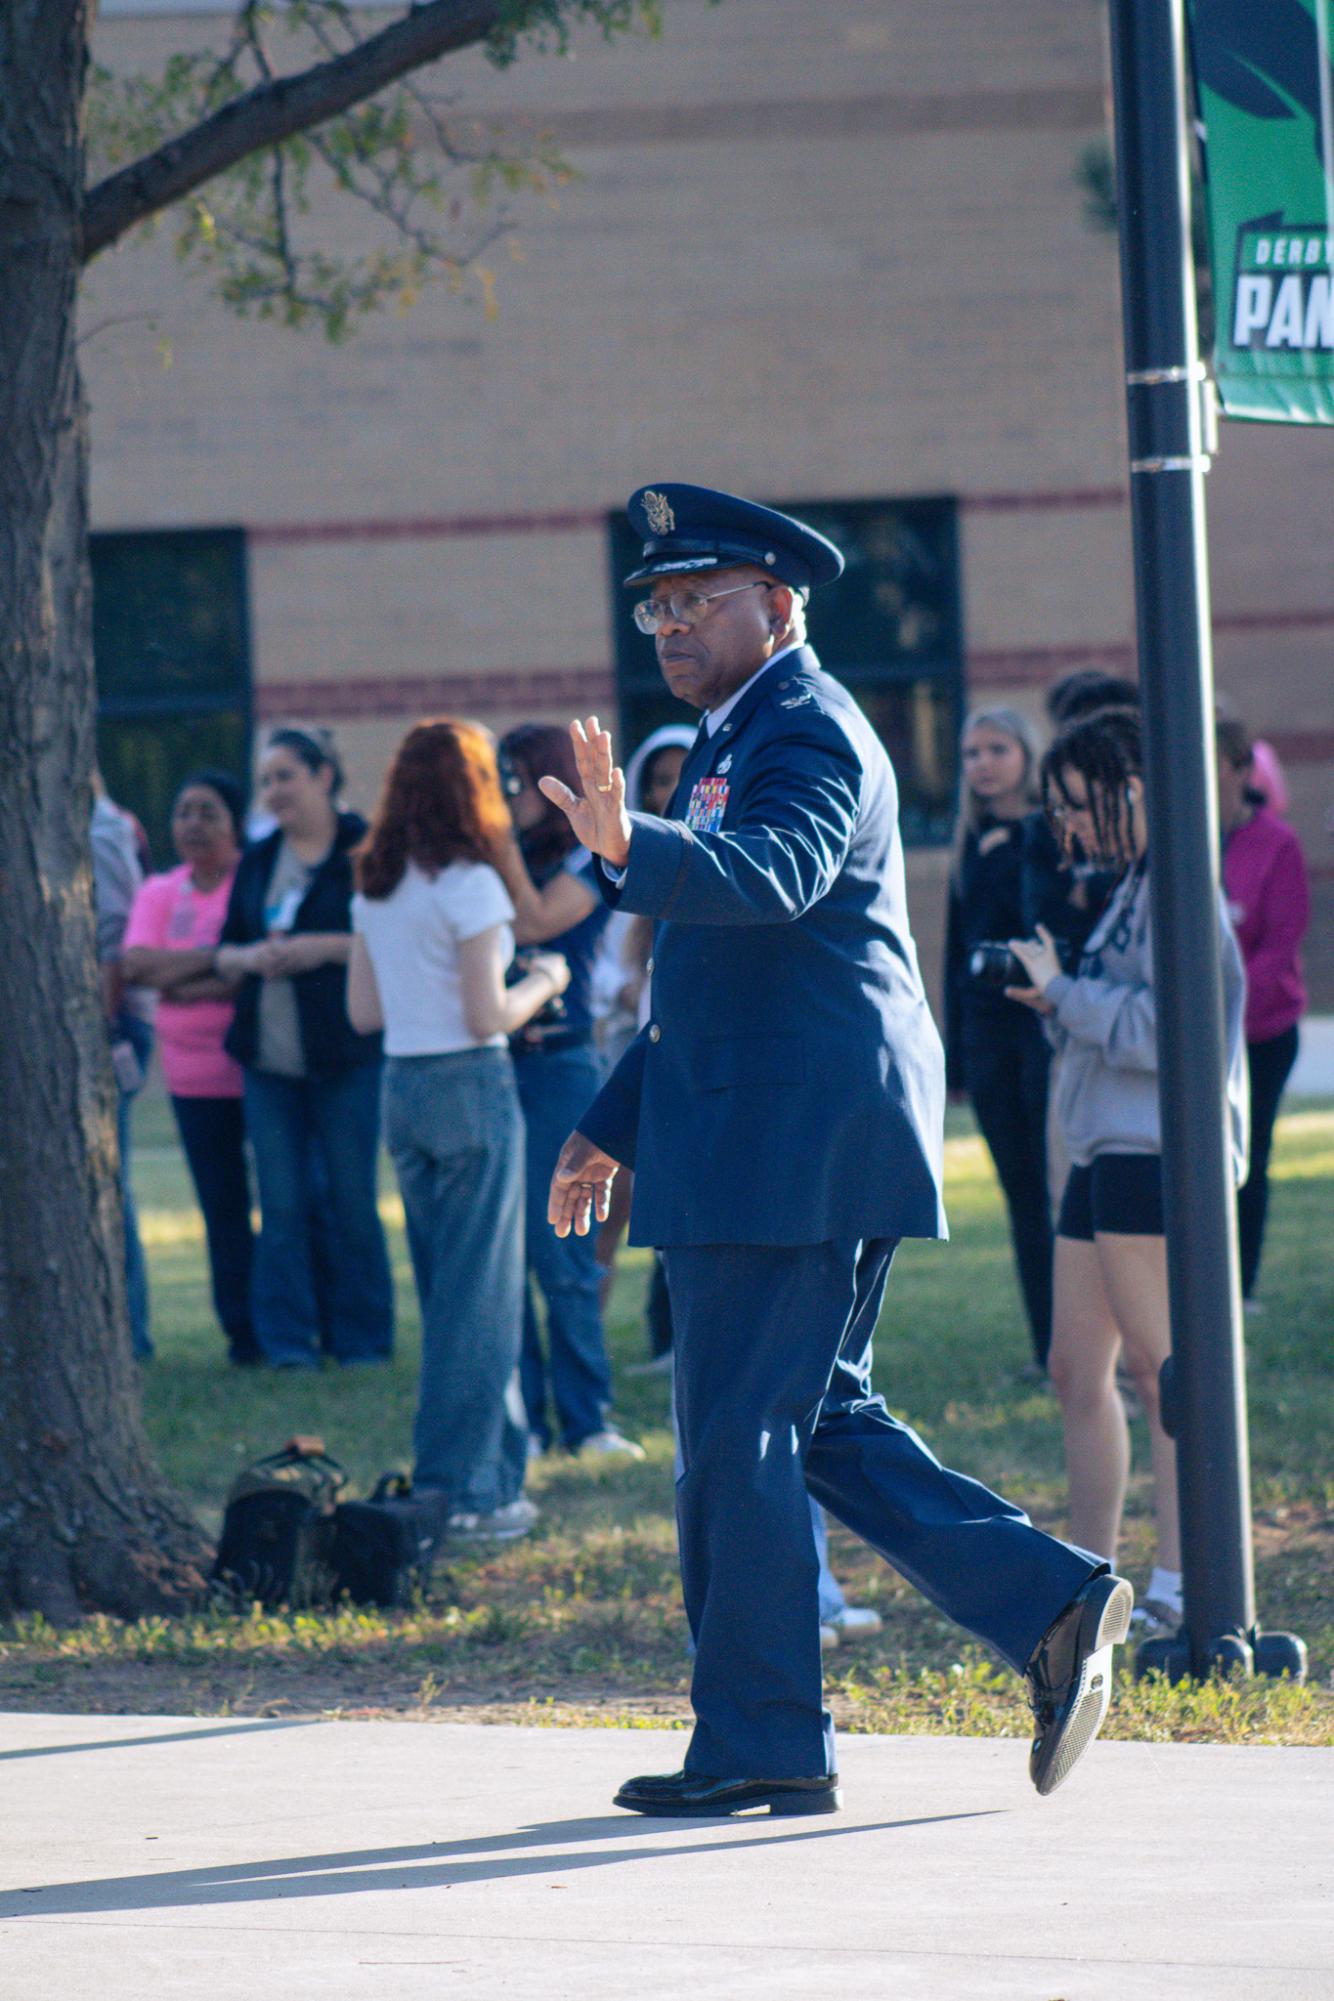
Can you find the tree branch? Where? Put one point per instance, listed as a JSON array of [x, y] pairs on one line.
[[276, 111]]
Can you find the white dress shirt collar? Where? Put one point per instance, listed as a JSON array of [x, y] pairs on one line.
[[715, 718]]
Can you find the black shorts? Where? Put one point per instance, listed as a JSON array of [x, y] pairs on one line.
[[1117, 1195]]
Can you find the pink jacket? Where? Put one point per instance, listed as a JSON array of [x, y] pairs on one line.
[[1270, 903]]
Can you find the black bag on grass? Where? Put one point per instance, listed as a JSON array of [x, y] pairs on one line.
[[279, 1528], [383, 1547]]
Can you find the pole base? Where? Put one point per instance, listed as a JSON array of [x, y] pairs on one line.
[[1231, 1654], [1279, 1654], [1256, 1652], [1167, 1654]]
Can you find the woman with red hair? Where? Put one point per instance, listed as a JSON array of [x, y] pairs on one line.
[[433, 940]]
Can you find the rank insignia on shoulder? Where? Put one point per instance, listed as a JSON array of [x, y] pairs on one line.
[[708, 803], [796, 701]]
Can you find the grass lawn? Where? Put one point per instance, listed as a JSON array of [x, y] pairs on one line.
[[581, 1623]]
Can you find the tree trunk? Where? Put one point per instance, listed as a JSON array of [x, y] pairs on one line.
[[86, 1520]]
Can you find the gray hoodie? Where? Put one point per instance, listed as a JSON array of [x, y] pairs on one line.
[[1105, 1025]]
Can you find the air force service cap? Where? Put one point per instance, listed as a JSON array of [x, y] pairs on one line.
[[697, 528]]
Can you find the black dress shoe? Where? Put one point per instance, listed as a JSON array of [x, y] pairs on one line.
[[1070, 1677], [678, 1793]]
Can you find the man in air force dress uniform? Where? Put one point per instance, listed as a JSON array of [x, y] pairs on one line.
[[783, 1113]]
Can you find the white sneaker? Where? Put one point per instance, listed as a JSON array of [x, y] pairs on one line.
[[828, 1638], [603, 1443], [501, 1525], [1154, 1619], [854, 1622]]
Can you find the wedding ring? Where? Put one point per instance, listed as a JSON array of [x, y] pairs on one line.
[[604, 788]]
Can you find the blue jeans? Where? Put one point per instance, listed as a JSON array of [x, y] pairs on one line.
[[555, 1090], [832, 1602], [455, 1133], [139, 1034], [212, 1133], [293, 1123]]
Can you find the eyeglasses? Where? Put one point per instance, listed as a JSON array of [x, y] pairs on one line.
[[686, 607]]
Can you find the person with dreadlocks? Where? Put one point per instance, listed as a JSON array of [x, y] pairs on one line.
[[1110, 1289]]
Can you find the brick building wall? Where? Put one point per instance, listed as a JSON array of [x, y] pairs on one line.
[[817, 250]]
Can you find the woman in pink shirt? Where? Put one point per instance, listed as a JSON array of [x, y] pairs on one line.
[[1270, 904], [173, 929]]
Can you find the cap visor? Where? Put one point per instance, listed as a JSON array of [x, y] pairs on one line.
[[672, 566]]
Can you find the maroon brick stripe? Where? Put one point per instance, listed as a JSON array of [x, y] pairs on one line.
[[365, 699], [515, 690], [425, 528], [580, 520], [1034, 666]]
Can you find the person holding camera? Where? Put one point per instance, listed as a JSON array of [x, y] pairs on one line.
[[433, 939], [1110, 1264], [1062, 887], [559, 1072], [995, 1054]]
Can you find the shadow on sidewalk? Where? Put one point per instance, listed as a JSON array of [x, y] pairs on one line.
[[432, 1865], [164, 1737]]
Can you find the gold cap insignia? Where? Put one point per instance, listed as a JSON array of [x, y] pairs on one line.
[[658, 509]]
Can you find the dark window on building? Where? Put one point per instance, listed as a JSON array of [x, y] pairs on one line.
[[171, 642], [890, 630]]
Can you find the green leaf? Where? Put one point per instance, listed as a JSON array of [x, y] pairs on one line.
[[437, 195]]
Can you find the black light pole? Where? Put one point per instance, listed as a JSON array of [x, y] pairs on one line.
[[1205, 1401]]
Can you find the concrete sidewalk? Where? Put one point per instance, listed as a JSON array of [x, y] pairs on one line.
[[180, 1857]]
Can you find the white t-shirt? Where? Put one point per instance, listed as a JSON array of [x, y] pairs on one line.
[[413, 938]]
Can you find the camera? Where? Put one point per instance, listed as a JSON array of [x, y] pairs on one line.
[[552, 1013], [993, 966]]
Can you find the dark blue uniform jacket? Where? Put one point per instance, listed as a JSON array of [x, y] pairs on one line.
[[789, 1088]]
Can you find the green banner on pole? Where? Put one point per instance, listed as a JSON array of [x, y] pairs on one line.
[[1266, 91]]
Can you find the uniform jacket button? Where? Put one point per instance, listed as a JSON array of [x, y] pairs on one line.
[[655, 1033]]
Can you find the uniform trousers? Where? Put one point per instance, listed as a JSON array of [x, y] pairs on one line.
[[774, 1399]]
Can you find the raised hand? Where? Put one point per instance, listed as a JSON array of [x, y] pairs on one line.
[[599, 819]]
